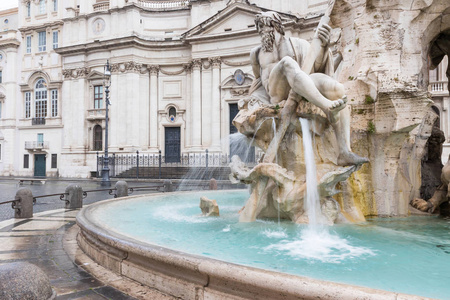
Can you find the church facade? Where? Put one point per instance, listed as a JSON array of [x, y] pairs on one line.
[[178, 69]]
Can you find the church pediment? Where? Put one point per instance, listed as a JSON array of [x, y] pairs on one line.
[[238, 21], [236, 18]]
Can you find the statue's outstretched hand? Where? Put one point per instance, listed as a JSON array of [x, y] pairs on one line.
[[324, 33]]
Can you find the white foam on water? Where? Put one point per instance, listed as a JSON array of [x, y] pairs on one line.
[[278, 234], [227, 228], [174, 213], [321, 246]]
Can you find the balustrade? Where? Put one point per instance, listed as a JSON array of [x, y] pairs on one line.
[[101, 6], [438, 87], [171, 4]]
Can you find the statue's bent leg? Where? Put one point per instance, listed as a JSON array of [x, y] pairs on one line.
[[302, 84], [328, 86], [332, 89]]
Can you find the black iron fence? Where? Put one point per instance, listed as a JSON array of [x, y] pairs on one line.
[[205, 165]]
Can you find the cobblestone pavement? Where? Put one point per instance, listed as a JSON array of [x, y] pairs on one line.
[[9, 187]]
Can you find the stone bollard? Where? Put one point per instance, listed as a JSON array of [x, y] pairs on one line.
[[22, 280], [74, 196], [212, 184], [168, 186], [121, 189], [24, 207]]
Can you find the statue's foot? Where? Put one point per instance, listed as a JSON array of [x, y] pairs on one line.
[[335, 107], [422, 205], [350, 158]]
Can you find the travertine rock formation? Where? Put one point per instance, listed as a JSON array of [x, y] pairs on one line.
[[209, 207], [385, 46]]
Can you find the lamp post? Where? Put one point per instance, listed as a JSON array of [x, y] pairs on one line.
[[106, 82]]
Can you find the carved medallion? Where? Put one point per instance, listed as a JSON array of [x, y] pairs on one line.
[[98, 26], [239, 77]]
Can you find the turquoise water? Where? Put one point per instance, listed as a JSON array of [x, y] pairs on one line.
[[407, 255]]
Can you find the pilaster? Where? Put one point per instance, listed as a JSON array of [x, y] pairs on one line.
[[196, 107], [153, 71], [215, 103]]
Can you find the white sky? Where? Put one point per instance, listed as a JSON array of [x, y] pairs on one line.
[[5, 4]]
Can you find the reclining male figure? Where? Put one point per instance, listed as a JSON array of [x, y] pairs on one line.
[[277, 63]]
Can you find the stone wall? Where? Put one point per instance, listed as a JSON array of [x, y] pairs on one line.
[[385, 47]]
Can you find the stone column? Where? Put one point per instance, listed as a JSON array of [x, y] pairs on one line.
[[144, 117], [207, 127], [196, 107], [188, 113], [66, 109], [132, 79], [153, 71], [215, 104]]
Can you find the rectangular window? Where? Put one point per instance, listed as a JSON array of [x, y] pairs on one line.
[[26, 161], [40, 140], [42, 8], [42, 45], [29, 9], [1, 107], [54, 103], [55, 5], [1, 76], [27, 104], [0, 152], [28, 43], [54, 161], [55, 39], [98, 96], [41, 104]]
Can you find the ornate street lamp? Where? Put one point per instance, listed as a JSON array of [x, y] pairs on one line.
[[107, 83]]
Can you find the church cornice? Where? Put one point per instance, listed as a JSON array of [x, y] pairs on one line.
[[9, 43], [118, 43], [40, 27]]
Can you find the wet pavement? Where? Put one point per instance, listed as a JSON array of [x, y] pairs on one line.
[[48, 240], [9, 187]]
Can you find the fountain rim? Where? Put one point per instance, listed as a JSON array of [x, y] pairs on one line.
[[184, 275]]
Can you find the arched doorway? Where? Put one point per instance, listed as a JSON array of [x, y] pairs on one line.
[[98, 138]]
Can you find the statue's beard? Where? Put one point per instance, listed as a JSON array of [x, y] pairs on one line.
[[267, 40]]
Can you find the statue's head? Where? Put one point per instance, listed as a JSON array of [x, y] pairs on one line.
[[271, 19]]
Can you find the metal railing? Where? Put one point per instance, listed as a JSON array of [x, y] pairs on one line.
[[30, 145], [24, 201], [38, 121], [157, 166]]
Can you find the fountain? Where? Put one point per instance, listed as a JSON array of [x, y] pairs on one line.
[[276, 241], [286, 174]]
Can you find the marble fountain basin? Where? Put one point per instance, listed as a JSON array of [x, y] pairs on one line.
[[163, 241]]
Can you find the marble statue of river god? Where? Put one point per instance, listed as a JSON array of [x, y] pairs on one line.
[[293, 79]]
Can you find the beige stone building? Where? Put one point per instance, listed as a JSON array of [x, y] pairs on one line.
[[440, 95], [178, 70], [179, 67]]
